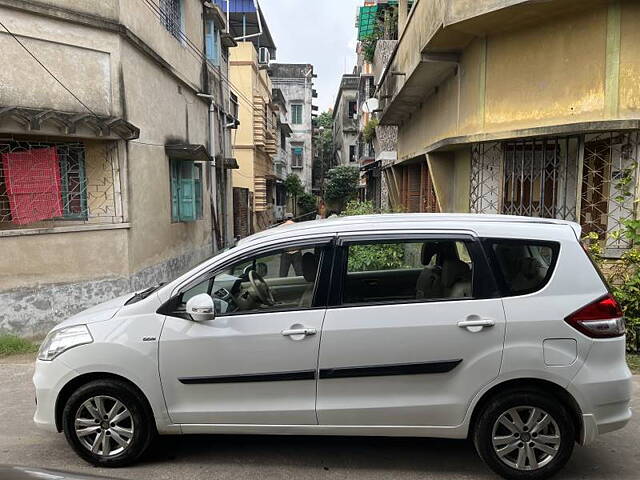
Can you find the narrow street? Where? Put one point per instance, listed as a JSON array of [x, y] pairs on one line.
[[253, 457]]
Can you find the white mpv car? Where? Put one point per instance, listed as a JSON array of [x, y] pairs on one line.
[[498, 329]]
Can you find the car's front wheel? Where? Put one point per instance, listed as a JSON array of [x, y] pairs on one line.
[[107, 423], [524, 435]]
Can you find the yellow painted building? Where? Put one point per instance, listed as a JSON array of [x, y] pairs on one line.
[[516, 107], [255, 142]]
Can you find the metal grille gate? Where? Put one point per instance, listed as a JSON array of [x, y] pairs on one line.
[[588, 178]]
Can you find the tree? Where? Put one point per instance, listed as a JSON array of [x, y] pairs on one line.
[[324, 146], [383, 256], [342, 185], [293, 185], [294, 188]]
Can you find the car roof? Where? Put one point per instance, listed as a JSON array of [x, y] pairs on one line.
[[498, 225]]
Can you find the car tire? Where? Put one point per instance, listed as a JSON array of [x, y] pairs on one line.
[[124, 419], [525, 448]]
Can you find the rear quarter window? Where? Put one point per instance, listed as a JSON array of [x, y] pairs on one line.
[[522, 266]]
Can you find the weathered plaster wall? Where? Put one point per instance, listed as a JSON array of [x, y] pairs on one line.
[[540, 75], [84, 59], [33, 310], [46, 278], [629, 60], [170, 113], [34, 260]]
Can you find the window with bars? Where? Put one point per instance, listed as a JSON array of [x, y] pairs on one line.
[[296, 114], [352, 109], [41, 181], [171, 16], [588, 178], [352, 153], [186, 190]]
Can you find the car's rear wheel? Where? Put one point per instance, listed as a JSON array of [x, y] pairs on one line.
[[524, 435], [107, 423]]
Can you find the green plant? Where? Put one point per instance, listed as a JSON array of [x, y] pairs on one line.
[[384, 256], [369, 45], [633, 360], [306, 203], [369, 131], [342, 184], [623, 275], [14, 345], [293, 185]]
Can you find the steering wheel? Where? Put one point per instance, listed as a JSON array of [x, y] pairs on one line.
[[261, 288]]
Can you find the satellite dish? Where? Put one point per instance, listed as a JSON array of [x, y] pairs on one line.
[[370, 105]]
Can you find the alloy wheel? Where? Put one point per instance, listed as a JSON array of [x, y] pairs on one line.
[[104, 426], [526, 438]]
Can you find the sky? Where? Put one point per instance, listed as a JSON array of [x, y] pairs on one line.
[[319, 32]]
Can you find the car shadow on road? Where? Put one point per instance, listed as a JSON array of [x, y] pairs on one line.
[[435, 456]]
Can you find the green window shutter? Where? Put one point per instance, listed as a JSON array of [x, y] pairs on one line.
[[198, 187], [175, 191], [187, 193]]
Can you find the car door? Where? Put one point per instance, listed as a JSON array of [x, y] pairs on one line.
[[254, 363], [416, 360]]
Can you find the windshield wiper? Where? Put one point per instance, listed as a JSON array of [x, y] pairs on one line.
[[143, 294]]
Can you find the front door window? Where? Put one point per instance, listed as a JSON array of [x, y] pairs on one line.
[[281, 280]]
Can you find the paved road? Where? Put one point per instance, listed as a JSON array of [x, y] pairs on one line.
[[614, 456]]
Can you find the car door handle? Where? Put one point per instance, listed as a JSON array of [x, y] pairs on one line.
[[299, 331], [477, 322]]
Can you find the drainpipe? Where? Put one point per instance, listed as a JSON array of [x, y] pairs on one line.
[[214, 180], [403, 13]]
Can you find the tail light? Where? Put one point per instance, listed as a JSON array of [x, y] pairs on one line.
[[602, 318]]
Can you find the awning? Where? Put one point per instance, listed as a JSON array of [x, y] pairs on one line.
[[187, 151], [230, 163], [68, 123]]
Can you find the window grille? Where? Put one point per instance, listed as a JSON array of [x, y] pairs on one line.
[[586, 178], [45, 184], [171, 16]]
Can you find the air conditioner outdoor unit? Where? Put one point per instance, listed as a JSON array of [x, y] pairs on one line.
[[264, 57]]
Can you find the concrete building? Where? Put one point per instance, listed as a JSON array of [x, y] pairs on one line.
[[296, 83], [345, 121], [282, 167], [517, 107], [105, 182], [255, 142]]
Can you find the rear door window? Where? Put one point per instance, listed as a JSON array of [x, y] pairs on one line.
[[523, 266], [398, 271]]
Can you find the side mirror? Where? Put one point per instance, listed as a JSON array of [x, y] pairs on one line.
[[201, 308]]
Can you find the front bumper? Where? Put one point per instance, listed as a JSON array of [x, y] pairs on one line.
[[49, 379]]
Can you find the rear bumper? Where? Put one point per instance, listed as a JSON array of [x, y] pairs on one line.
[[603, 389]]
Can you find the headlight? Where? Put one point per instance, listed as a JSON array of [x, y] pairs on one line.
[[61, 340]]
